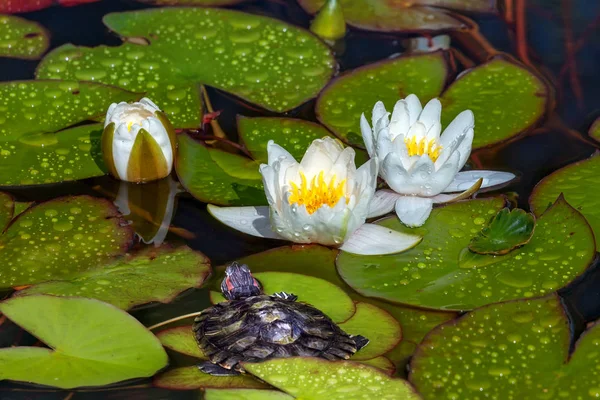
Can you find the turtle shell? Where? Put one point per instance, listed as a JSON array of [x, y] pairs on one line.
[[262, 327]]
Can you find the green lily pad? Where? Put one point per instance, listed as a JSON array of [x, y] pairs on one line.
[[340, 105], [574, 182], [402, 16], [429, 275], [262, 60], [196, 3], [21, 38], [203, 177], [294, 135], [245, 394], [382, 330], [61, 238], [43, 158], [181, 340], [191, 378], [319, 293], [595, 130], [150, 275], [29, 107], [486, 90], [518, 349], [506, 231], [92, 343], [21, 206], [382, 363], [316, 379], [7, 208]]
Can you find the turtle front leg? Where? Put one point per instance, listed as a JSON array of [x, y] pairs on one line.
[[216, 370]]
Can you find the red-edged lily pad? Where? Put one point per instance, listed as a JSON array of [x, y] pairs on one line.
[[245, 394], [191, 378], [21, 6]]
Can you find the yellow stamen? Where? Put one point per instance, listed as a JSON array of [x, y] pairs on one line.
[[129, 124], [423, 147], [316, 194]]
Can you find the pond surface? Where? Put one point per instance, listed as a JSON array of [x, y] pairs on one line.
[[545, 125]]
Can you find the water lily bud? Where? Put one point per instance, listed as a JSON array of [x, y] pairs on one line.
[[138, 142], [329, 23]]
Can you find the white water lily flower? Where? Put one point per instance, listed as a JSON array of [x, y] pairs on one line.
[[418, 163], [138, 142], [323, 199]]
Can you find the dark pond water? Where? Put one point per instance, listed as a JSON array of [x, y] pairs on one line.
[[555, 144]]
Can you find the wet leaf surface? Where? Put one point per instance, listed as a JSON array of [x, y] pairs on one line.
[[382, 330], [61, 238], [7, 208], [319, 293], [487, 90], [262, 60], [574, 182], [429, 275], [43, 158], [506, 231], [92, 343], [29, 107], [315, 379], [150, 275], [399, 16], [190, 378], [245, 394], [343, 101], [200, 171], [517, 349], [20, 38]]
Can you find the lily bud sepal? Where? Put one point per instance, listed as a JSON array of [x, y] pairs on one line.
[[138, 142]]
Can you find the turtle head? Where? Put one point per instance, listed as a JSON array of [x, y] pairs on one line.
[[239, 283]]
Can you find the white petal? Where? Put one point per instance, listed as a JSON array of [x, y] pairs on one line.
[[384, 144], [459, 126], [431, 113], [159, 133], [413, 211], [465, 148], [450, 198], [269, 178], [414, 108], [343, 168], [372, 239], [109, 114], [367, 135], [441, 178], [149, 105], [394, 173], [320, 156], [400, 123], [378, 112], [417, 130], [383, 202], [464, 180], [122, 145], [366, 182], [276, 153], [251, 220]]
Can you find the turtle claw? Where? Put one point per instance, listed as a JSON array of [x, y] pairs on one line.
[[286, 296], [216, 370], [360, 341]]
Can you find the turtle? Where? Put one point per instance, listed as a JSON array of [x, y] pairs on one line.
[[251, 326]]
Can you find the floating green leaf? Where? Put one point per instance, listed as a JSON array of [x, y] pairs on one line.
[[265, 61], [245, 394], [43, 158], [595, 130], [191, 378], [316, 379], [181, 340], [575, 182], [429, 275], [61, 238], [402, 16], [381, 363], [506, 231], [203, 177], [7, 208], [340, 105], [319, 293], [47, 106], [294, 135], [382, 330], [486, 90], [150, 275], [92, 343], [518, 349], [21, 38]]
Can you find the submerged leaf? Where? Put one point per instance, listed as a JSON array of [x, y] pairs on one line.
[[191, 378], [20, 38], [150, 275], [59, 239], [316, 379], [429, 275], [92, 343], [506, 231]]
